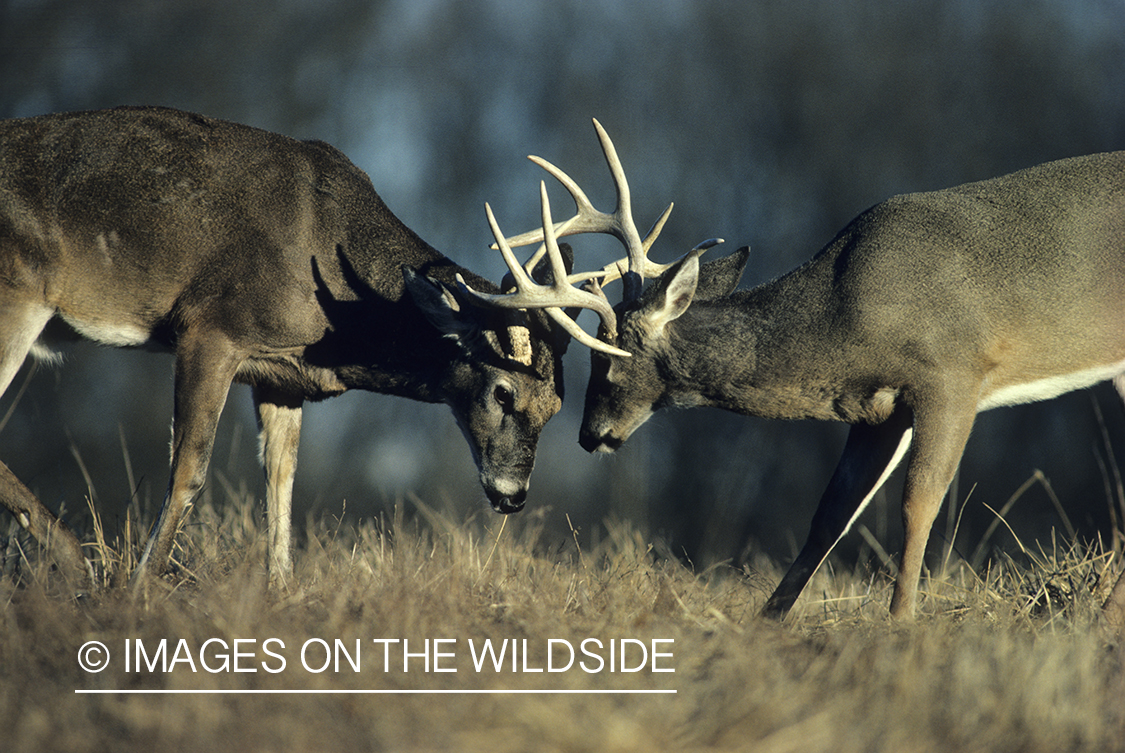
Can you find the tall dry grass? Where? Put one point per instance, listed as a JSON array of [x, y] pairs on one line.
[[1012, 658]]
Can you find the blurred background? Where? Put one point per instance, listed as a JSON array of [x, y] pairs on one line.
[[768, 122]]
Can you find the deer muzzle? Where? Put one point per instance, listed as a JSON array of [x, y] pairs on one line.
[[595, 442], [506, 495], [506, 504]]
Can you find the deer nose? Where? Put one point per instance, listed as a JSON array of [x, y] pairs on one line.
[[592, 442], [506, 504]]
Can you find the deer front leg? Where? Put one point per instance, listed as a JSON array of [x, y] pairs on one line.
[[279, 425], [62, 546], [22, 319], [205, 365], [869, 457], [1114, 607], [941, 429]]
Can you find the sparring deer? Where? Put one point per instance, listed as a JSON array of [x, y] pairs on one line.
[[925, 310], [258, 259]]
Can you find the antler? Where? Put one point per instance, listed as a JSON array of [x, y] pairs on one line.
[[551, 298], [634, 267]]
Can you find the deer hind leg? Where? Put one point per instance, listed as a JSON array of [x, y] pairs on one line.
[[279, 425], [941, 429], [205, 366], [20, 325], [869, 457]]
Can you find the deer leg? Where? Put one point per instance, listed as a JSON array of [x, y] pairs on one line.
[[20, 325], [61, 544], [205, 366], [941, 429], [1114, 607], [279, 425], [870, 455]]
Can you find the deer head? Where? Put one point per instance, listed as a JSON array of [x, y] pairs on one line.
[[624, 392], [502, 382]]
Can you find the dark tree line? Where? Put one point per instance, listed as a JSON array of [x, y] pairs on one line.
[[769, 122]]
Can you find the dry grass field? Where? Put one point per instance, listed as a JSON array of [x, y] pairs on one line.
[[1012, 659]]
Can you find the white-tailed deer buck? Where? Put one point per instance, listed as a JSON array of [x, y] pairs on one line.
[[925, 310], [258, 259]]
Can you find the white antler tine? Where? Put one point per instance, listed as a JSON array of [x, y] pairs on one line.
[[704, 245], [581, 335], [654, 231], [617, 269], [581, 202], [606, 274], [586, 219], [558, 228], [624, 199], [522, 278], [550, 240], [524, 239], [623, 217]]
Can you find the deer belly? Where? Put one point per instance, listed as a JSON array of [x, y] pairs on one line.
[[1048, 387], [115, 334]]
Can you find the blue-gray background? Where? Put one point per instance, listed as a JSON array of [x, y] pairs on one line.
[[768, 122]]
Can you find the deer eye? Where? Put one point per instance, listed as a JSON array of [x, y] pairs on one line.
[[504, 397]]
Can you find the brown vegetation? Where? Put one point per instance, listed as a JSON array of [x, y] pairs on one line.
[[1010, 659]]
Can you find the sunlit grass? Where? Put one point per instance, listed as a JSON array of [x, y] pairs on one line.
[[1010, 657]]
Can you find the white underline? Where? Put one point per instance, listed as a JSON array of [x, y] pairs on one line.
[[112, 691]]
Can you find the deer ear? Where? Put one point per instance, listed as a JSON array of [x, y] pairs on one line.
[[439, 304], [719, 278], [673, 294]]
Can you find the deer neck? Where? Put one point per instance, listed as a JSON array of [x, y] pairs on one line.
[[754, 353], [372, 335]]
